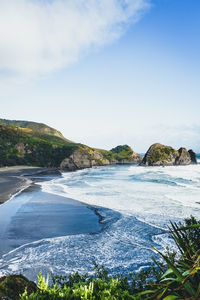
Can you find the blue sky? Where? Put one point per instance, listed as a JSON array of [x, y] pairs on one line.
[[126, 77]]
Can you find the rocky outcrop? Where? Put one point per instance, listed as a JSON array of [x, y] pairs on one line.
[[134, 159], [193, 156], [83, 158], [86, 157], [183, 158], [124, 154], [161, 155]]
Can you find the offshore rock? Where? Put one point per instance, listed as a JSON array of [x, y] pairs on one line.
[[193, 156], [161, 155], [183, 158]]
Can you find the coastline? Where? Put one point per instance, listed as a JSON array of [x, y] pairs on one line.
[[15, 179], [42, 225], [57, 215]]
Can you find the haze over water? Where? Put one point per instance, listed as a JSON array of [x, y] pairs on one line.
[[136, 204]]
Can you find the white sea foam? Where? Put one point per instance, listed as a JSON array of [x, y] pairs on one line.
[[132, 190]]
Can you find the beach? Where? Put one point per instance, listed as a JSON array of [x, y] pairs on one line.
[[13, 180], [32, 215]]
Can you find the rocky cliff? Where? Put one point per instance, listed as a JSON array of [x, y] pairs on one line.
[[161, 155], [83, 157], [86, 157]]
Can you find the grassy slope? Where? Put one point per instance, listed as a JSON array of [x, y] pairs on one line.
[[34, 126], [30, 147], [118, 153], [40, 145]]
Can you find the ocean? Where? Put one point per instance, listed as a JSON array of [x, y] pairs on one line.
[[121, 212]]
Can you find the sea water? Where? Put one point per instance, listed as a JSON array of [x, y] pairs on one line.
[[135, 204]]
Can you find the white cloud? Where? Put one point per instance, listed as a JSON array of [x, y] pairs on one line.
[[40, 36]]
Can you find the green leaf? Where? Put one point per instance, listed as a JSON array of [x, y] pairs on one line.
[[146, 292], [188, 227], [179, 276], [162, 293], [198, 291], [186, 273], [169, 271], [170, 279], [171, 297]]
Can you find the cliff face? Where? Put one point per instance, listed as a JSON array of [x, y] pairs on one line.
[[161, 155], [86, 157], [83, 158]]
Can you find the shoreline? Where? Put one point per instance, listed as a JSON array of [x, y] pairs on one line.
[[15, 179], [61, 216]]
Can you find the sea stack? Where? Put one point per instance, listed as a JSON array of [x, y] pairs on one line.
[[162, 155], [193, 156]]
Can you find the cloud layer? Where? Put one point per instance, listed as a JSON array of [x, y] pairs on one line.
[[40, 36]]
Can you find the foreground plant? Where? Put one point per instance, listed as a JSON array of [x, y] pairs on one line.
[[182, 278], [177, 278], [92, 289]]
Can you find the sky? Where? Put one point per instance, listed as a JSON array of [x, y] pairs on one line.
[[104, 72]]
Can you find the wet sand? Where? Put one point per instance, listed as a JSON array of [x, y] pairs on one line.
[[13, 180], [33, 215]]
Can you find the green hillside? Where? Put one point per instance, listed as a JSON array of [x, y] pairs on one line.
[[38, 128], [20, 146], [36, 144]]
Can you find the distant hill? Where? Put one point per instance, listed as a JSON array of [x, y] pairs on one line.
[[40, 128], [36, 144]]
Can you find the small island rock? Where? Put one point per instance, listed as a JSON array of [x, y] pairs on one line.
[[161, 155]]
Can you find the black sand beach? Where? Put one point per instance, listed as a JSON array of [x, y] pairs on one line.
[[12, 180], [33, 214]]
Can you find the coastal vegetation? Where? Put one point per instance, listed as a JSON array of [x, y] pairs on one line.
[[175, 276], [36, 144], [21, 147], [34, 126], [122, 152]]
